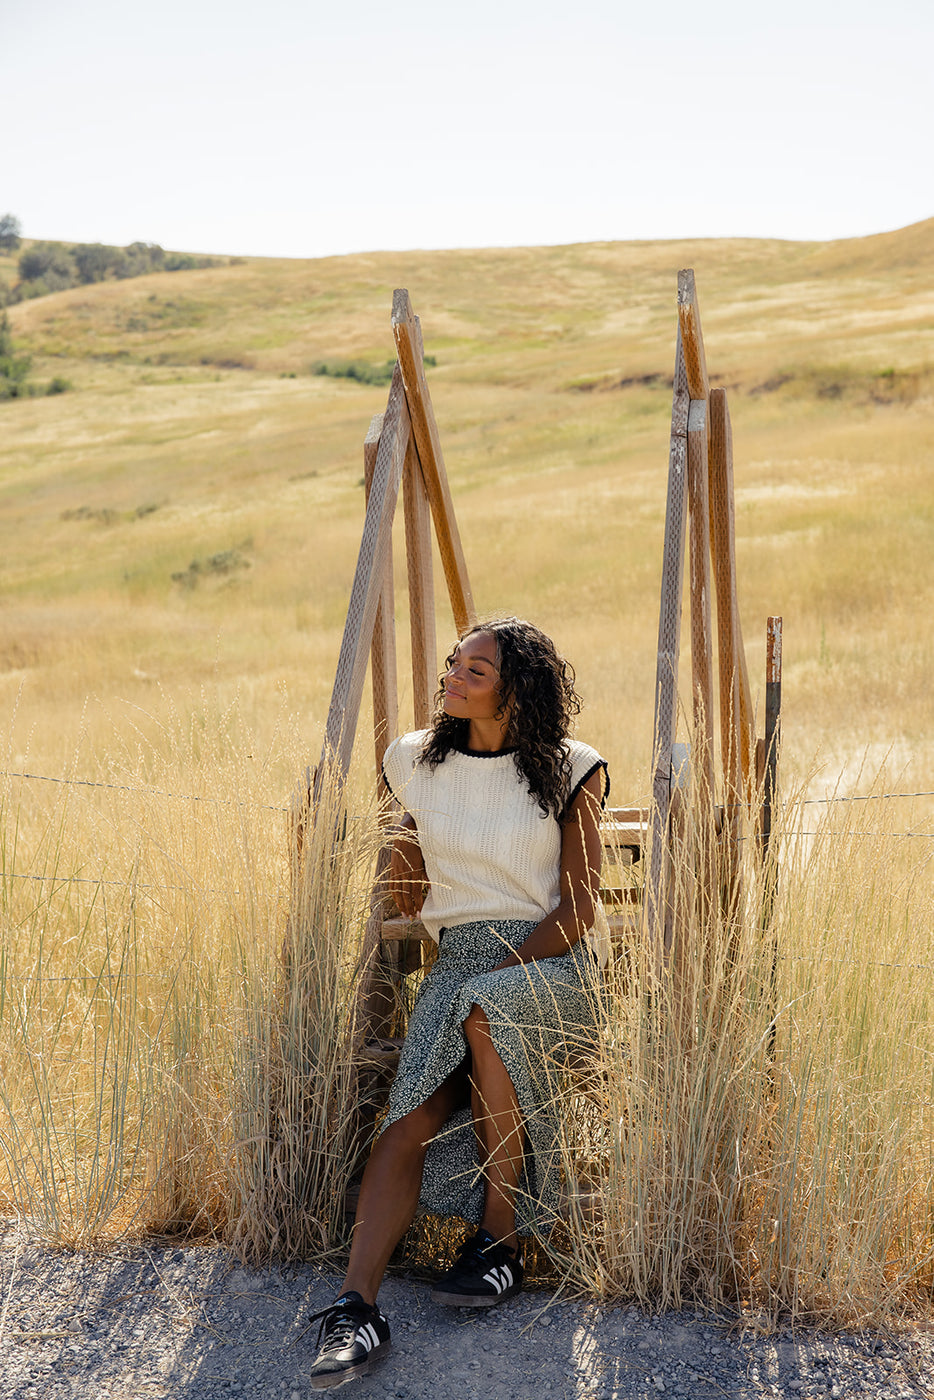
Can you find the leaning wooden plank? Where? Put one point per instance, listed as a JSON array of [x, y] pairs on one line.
[[701, 624], [344, 709], [723, 536], [773, 708], [428, 442], [724, 545], [695, 360], [421, 589], [383, 652], [669, 645]]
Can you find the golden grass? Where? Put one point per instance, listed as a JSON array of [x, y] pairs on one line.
[[172, 989], [755, 1130]]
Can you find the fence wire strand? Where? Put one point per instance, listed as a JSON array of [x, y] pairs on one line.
[[150, 792]]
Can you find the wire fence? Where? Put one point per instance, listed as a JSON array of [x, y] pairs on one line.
[[150, 792], [275, 807], [193, 888]]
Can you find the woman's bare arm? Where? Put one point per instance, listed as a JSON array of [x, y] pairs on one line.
[[581, 855], [408, 881]]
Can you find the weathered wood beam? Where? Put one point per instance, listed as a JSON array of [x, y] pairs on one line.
[[421, 589], [695, 360], [375, 547], [773, 709], [737, 725], [701, 623], [668, 651], [425, 429], [383, 675], [723, 548]]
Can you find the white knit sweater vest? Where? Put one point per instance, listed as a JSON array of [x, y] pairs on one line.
[[489, 851]]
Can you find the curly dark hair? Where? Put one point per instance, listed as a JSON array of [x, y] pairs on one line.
[[538, 696]]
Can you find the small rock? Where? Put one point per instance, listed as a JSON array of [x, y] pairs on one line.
[[658, 1382]]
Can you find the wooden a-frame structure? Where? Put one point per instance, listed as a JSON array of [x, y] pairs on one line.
[[402, 448], [700, 504]]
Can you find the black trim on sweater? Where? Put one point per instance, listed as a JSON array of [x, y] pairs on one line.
[[600, 763]]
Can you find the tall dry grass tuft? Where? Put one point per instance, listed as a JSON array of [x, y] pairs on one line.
[[844, 1222], [152, 1046], [755, 1129], [297, 1138]]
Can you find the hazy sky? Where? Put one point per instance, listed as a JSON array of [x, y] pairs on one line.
[[297, 128]]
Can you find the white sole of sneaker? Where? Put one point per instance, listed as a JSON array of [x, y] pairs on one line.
[[336, 1378], [461, 1300]]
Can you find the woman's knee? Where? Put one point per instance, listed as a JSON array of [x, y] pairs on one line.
[[477, 1029], [480, 1039], [415, 1129]]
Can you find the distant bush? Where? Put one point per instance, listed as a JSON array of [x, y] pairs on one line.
[[363, 371], [49, 264], [14, 370], [52, 267]]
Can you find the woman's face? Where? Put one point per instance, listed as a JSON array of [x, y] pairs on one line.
[[471, 683]]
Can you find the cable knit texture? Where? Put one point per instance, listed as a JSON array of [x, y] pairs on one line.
[[488, 850]]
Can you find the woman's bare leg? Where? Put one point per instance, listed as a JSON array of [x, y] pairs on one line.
[[498, 1122], [390, 1188]]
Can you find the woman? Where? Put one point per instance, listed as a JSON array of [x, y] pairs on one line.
[[499, 855]]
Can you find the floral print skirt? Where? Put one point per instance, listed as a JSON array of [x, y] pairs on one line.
[[537, 1012]]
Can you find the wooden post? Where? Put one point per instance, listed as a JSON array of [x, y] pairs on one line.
[[409, 349], [773, 709], [722, 531], [695, 360], [367, 588], [737, 730], [383, 651], [669, 646], [421, 589], [701, 627]]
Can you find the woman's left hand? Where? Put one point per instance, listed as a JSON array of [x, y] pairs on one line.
[[408, 879]]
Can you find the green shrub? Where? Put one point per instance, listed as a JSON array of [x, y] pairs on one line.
[[14, 369], [49, 267], [363, 371], [49, 264]]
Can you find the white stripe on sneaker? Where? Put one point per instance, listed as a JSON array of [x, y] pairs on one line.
[[500, 1277], [367, 1336]]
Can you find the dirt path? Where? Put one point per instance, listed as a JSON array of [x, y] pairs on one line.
[[156, 1322]]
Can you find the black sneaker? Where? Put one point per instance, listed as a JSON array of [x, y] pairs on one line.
[[483, 1274], [352, 1336]]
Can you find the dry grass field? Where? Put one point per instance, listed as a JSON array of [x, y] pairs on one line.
[[180, 533], [185, 441]]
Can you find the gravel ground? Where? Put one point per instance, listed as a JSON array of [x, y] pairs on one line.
[[150, 1321]]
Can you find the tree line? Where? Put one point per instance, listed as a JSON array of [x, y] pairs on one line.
[[54, 267]]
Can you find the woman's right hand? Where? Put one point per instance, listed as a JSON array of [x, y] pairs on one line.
[[408, 879]]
